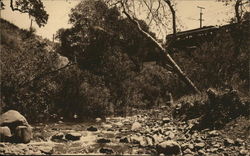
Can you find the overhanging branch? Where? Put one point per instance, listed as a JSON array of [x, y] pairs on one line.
[[45, 74]]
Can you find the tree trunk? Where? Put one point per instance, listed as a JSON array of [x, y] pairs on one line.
[[173, 15], [237, 13], [166, 55]]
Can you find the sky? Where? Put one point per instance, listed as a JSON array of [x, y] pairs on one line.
[[215, 13]]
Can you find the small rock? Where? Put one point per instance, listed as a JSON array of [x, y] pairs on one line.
[[166, 120], [228, 142], [239, 142], [103, 140], [199, 145], [106, 150], [5, 133], [149, 141], [135, 126], [136, 139], [187, 151], [170, 135], [98, 119], [58, 136], [213, 150], [73, 136], [187, 146], [143, 142], [106, 126], [157, 138], [46, 150], [202, 152], [118, 124], [91, 128], [168, 148], [244, 152], [213, 133], [124, 140]]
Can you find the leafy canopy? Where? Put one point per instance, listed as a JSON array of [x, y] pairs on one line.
[[34, 8]]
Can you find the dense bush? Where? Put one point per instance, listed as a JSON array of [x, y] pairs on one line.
[[222, 63]]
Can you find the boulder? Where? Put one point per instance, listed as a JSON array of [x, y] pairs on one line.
[[5, 133], [23, 134], [135, 126], [12, 119], [73, 136], [168, 148]]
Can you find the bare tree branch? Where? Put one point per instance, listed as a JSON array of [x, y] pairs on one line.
[[39, 76]]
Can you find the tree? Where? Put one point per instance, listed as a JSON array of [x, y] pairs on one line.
[[95, 29], [34, 8], [239, 8], [124, 6]]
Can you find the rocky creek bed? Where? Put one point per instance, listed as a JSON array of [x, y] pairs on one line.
[[147, 133], [183, 129]]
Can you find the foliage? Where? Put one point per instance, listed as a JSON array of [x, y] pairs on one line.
[[222, 63], [23, 58], [95, 29], [34, 8]]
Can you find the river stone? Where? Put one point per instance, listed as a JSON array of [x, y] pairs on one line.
[[12, 119], [23, 134], [213, 133], [73, 136], [91, 128], [168, 147], [98, 119], [58, 136], [106, 150], [46, 149], [124, 140], [166, 120], [103, 140], [5, 133], [135, 126], [228, 142], [199, 145], [136, 139], [157, 138]]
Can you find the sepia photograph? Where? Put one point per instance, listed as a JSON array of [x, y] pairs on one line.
[[125, 77]]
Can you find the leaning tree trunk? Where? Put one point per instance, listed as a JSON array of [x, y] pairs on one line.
[[166, 55]]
